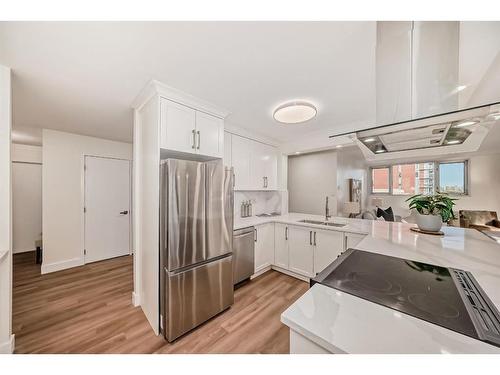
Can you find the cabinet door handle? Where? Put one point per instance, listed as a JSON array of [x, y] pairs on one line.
[[265, 179], [314, 238], [199, 139], [255, 238], [193, 146], [286, 233], [310, 237]]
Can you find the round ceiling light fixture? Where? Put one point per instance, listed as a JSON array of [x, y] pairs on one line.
[[295, 112]]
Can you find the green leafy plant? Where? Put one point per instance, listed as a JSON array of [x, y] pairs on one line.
[[437, 204]]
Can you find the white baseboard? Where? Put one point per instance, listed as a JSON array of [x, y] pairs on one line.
[[279, 269], [8, 346], [136, 299], [62, 265], [290, 273], [260, 272], [19, 251]]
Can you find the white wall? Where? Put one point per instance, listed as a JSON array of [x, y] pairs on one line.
[[62, 193], [6, 337], [311, 177], [26, 205], [351, 164], [262, 202], [26, 196]]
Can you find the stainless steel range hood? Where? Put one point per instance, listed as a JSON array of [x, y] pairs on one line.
[[453, 132]]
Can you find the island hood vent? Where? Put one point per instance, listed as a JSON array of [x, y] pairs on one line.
[[453, 132]]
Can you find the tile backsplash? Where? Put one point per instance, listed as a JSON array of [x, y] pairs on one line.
[[262, 201]]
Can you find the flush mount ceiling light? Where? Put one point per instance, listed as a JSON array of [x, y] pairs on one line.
[[295, 112]]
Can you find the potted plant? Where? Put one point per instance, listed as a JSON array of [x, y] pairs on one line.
[[432, 210]]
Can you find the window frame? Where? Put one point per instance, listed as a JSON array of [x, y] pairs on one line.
[[466, 176], [388, 167], [437, 163]]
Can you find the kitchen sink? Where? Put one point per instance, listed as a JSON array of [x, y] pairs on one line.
[[318, 222], [311, 221], [330, 224]]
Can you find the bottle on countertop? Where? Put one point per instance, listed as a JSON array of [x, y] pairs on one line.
[[250, 208], [242, 209]]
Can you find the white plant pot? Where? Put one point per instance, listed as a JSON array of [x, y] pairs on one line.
[[431, 223]]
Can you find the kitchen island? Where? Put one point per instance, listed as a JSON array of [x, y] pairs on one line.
[[325, 320]]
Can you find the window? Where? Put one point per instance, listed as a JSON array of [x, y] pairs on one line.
[[410, 179], [380, 180], [420, 178], [452, 177]]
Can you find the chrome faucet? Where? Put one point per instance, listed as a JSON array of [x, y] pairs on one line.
[[327, 210]]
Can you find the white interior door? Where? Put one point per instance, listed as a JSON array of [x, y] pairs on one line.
[[107, 208]]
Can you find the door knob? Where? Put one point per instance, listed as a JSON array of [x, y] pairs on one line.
[[124, 212]]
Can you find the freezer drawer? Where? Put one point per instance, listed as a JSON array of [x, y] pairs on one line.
[[195, 295]]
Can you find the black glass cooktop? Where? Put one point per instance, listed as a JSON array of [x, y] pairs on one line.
[[444, 296]]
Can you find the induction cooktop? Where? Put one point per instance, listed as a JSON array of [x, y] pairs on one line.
[[448, 297]]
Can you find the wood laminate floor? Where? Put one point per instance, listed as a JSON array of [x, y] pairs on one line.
[[88, 309]]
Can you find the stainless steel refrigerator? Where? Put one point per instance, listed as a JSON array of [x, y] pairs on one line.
[[196, 230]]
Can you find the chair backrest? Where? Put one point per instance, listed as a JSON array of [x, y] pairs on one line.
[[476, 217]]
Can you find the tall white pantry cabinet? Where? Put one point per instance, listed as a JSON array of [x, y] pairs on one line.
[[167, 123]]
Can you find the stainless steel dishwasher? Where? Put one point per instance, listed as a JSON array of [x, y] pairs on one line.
[[243, 254]]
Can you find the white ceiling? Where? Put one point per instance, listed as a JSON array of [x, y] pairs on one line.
[[82, 77]]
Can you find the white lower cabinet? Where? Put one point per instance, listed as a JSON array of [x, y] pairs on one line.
[[352, 239], [300, 250], [281, 257], [304, 251], [264, 246], [328, 245]]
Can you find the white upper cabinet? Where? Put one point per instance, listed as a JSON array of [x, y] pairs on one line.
[[270, 157], [187, 130], [228, 146], [255, 164], [264, 166], [209, 135], [177, 127], [240, 158]]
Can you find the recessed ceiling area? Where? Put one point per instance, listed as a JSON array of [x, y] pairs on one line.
[[82, 77]]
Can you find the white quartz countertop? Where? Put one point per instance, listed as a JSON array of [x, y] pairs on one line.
[[344, 323], [352, 225]]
